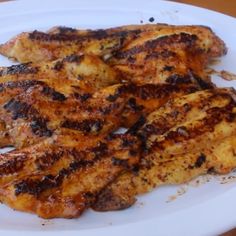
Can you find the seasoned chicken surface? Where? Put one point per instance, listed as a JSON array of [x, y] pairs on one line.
[[39, 46], [164, 53], [61, 176], [36, 114], [72, 76], [189, 136], [62, 107]]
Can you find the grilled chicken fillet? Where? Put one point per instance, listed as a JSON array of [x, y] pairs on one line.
[[72, 76], [38, 46], [36, 114], [61, 176], [189, 136]]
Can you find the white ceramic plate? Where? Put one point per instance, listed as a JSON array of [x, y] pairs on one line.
[[205, 210]]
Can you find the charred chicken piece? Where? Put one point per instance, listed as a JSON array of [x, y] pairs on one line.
[[189, 136]]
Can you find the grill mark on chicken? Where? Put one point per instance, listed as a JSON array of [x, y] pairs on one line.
[[101, 34], [82, 97], [100, 150], [106, 110], [18, 109], [126, 88], [23, 84], [71, 58], [12, 166], [48, 159], [36, 187], [26, 84], [214, 116], [133, 130], [19, 69], [149, 91], [202, 83], [87, 126], [74, 58], [200, 160], [168, 68], [178, 79], [25, 111], [188, 39], [120, 162], [53, 94], [58, 65], [132, 104], [163, 54], [163, 123], [39, 127], [41, 36], [96, 34]]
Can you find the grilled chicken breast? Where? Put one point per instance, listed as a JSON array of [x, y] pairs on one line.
[[77, 77], [38, 46], [37, 113], [189, 136], [164, 53], [72, 76], [61, 176], [169, 54]]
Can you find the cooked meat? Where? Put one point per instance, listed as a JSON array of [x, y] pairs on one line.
[[74, 76], [71, 75], [37, 113], [61, 107], [61, 176], [170, 54], [189, 136], [146, 54], [38, 46]]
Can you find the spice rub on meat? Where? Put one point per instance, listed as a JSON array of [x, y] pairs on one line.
[[61, 107], [187, 137]]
